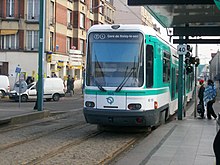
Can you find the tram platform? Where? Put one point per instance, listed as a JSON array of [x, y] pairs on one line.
[[180, 142]]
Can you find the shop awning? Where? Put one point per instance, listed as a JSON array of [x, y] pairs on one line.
[[8, 32]]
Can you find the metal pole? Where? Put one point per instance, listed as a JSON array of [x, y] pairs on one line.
[[19, 91], [180, 87], [218, 65], [184, 92], [195, 89], [41, 56]]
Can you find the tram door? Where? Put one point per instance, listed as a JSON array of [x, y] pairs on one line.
[[149, 61]]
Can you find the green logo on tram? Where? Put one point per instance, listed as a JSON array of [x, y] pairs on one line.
[[110, 100]]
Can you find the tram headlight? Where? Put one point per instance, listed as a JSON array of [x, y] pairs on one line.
[[134, 106], [90, 104]]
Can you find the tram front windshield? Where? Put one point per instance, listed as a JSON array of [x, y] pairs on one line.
[[114, 59]]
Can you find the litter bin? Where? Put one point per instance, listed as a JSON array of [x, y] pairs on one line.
[[218, 122]]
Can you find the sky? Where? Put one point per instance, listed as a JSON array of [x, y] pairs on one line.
[[205, 50]]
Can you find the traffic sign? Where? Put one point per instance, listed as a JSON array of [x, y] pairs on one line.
[[17, 70], [181, 49]]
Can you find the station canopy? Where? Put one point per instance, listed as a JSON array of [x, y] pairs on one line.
[[187, 18]]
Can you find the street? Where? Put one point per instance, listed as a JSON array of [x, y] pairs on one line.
[[61, 138], [64, 104]]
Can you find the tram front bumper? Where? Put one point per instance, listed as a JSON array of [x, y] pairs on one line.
[[121, 117]]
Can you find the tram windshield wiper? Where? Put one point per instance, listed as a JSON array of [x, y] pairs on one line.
[[99, 86], [126, 77]]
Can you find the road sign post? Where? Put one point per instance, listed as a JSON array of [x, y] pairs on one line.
[[17, 71], [181, 50]]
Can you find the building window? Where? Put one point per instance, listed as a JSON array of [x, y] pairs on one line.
[[33, 10], [90, 23], [9, 42], [81, 42], [68, 42], [51, 13], [101, 8], [69, 19], [32, 40], [82, 20], [91, 4], [51, 41], [10, 8]]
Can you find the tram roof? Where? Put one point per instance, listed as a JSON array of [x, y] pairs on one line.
[[186, 17], [130, 27]]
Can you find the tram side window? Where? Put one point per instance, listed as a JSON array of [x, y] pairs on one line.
[[149, 61], [166, 67]]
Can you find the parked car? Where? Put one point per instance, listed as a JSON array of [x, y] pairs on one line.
[[53, 89], [4, 85]]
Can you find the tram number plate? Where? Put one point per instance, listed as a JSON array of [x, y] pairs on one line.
[[181, 49]]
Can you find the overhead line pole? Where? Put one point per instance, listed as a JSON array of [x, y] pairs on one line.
[[41, 56], [180, 86], [195, 89]]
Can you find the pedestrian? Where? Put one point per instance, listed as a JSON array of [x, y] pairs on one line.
[[216, 147], [68, 84], [209, 98], [36, 102], [72, 85], [219, 82], [201, 96], [83, 79]]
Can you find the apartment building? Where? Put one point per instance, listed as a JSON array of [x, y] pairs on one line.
[[66, 26], [125, 14]]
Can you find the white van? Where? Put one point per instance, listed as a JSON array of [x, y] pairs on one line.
[[4, 85], [53, 89]]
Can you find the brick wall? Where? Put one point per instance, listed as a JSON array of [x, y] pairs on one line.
[[61, 14], [61, 41], [3, 8]]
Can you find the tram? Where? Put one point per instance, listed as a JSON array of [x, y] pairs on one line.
[[131, 77]]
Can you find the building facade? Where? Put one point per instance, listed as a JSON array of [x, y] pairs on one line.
[[214, 66], [66, 26], [125, 14]]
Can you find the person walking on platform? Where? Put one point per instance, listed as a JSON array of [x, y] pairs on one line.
[[216, 147], [209, 98], [201, 96]]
